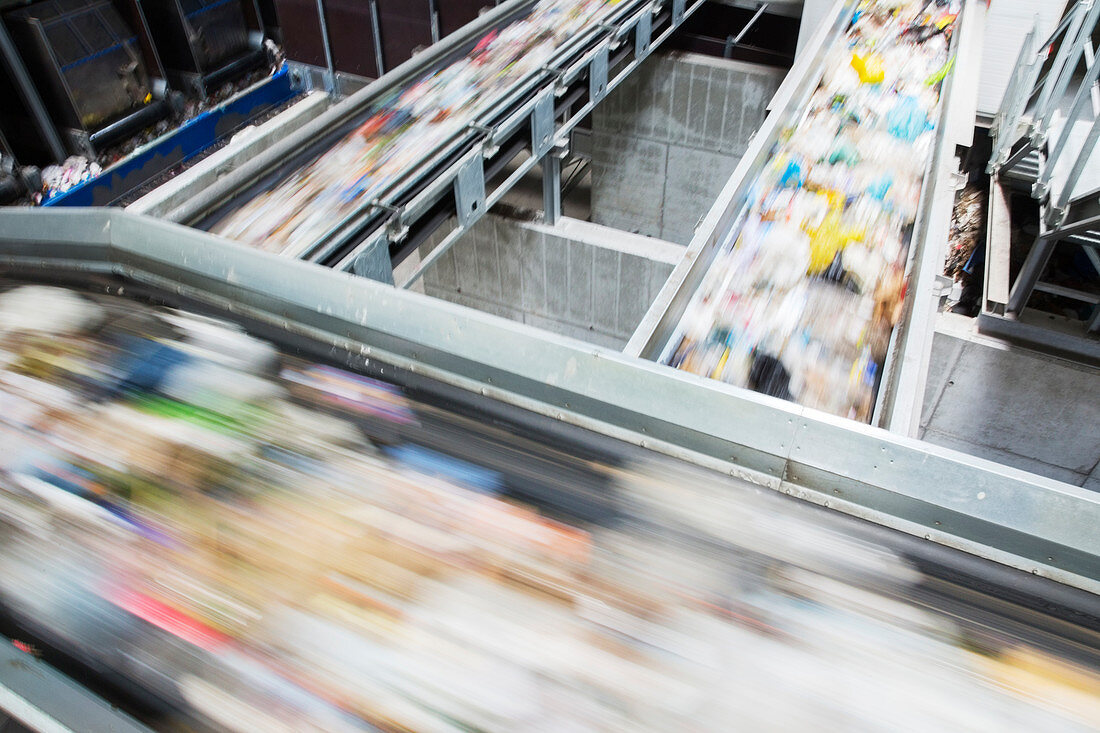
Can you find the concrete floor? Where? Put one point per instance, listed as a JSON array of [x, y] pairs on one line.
[[1012, 405]]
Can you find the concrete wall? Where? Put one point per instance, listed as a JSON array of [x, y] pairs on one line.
[[575, 279], [666, 141], [1013, 406]]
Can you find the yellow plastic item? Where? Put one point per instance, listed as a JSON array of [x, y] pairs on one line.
[[828, 239], [825, 242], [717, 373], [869, 68], [942, 73]]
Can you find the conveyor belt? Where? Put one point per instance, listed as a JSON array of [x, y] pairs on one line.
[[1002, 614], [897, 373], [988, 510], [522, 108]]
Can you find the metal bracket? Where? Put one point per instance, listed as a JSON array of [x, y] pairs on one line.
[[1037, 135], [559, 74], [597, 74], [1056, 216], [542, 125], [396, 228], [490, 146], [643, 34], [560, 149], [678, 11], [374, 262], [470, 191]]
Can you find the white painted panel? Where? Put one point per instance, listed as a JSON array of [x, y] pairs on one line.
[[1007, 23], [814, 13]]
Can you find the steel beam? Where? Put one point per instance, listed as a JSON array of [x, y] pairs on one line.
[[30, 96], [1064, 292], [1006, 125], [545, 132], [44, 700], [1032, 270], [1026, 148], [376, 28], [330, 67], [551, 188], [1079, 165], [1083, 18], [957, 500], [1080, 100]]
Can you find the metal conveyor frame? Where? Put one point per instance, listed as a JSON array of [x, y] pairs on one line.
[[902, 391], [996, 512]]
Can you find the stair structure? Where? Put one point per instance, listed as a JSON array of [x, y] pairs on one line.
[[1044, 137]]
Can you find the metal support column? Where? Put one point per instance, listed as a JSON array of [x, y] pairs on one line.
[[1030, 273], [330, 73], [732, 41], [376, 27], [30, 95], [551, 187], [433, 11]]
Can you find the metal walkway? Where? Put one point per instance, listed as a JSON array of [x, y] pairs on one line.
[[1045, 137]]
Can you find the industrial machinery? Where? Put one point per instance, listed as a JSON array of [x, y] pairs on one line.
[[624, 471], [535, 110], [98, 81], [980, 536], [202, 43], [369, 223], [110, 94], [1043, 145]]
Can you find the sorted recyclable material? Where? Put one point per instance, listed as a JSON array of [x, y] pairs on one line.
[[403, 130], [836, 207]]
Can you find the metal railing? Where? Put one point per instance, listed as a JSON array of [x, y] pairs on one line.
[[1029, 142]]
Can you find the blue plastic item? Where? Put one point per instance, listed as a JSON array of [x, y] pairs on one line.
[[906, 121], [792, 176], [434, 463], [879, 188]]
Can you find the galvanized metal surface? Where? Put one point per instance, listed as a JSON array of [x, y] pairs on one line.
[[547, 139], [906, 371], [470, 190], [44, 700], [555, 77], [1019, 519], [340, 245], [1066, 215]]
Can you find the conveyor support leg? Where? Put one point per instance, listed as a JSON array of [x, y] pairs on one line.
[[551, 187]]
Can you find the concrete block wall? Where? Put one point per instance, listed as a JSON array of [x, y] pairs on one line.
[[665, 142], [541, 276], [1012, 405]]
